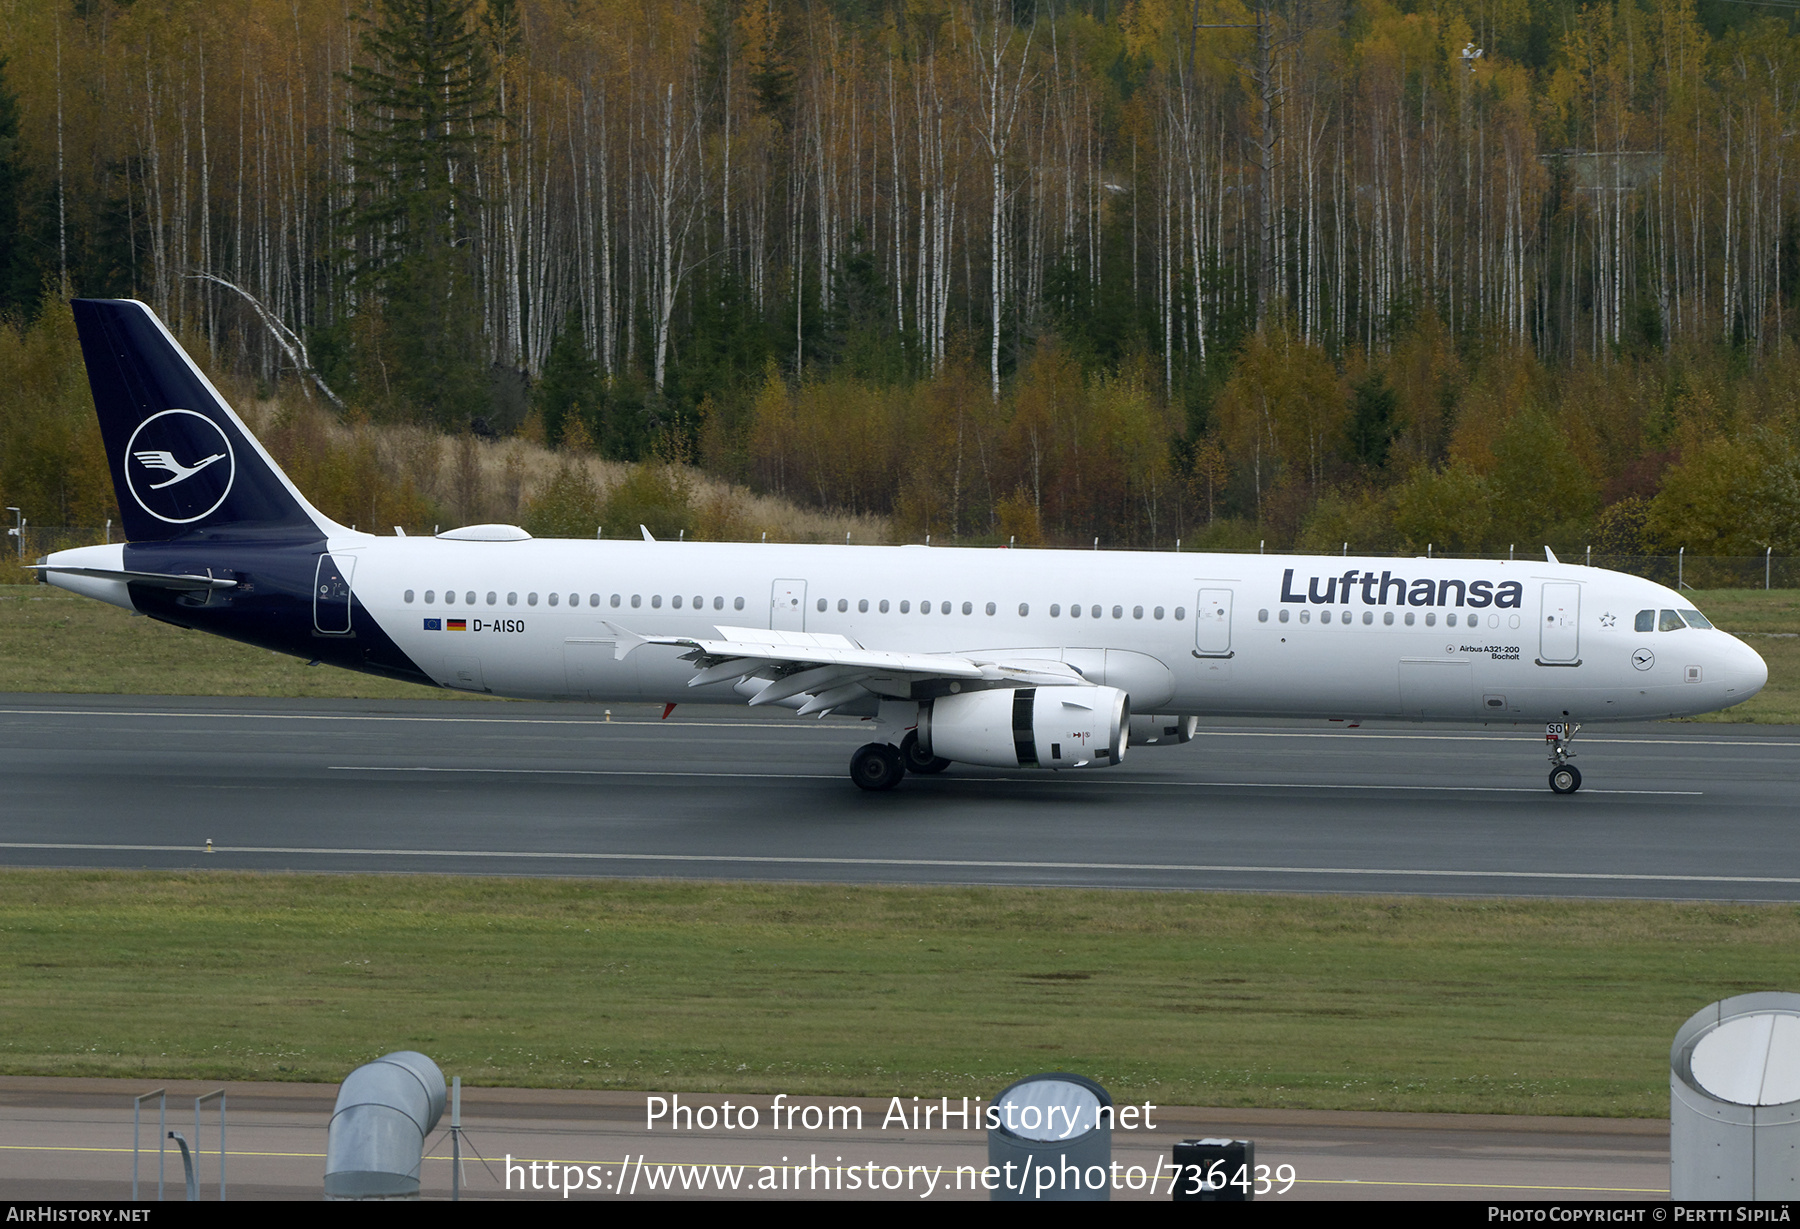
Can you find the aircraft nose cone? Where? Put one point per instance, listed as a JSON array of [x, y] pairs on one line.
[[1747, 664]]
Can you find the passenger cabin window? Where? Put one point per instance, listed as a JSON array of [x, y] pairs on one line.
[[1262, 616], [1645, 622], [615, 601], [1324, 616], [821, 605], [991, 608], [1283, 616], [843, 605], [905, 607], [1024, 610], [1305, 616], [553, 599], [1055, 611], [1409, 618], [1180, 613], [738, 604], [1387, 619], [1118, 612], [883, 608], [1094, 611], [1670, 622], [1158, 613], [1431, 619], [430, 597], [531, 599], [656, 601], [862, 607], [1369, 617], [969, 608], [1075, 612], [718, 603], [409, 597], [637, 599]]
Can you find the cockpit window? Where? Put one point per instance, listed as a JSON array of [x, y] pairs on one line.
[[1695, 619], [1646, 621], [1670, 622]]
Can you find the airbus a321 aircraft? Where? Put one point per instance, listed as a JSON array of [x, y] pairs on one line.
[[1008, 658]]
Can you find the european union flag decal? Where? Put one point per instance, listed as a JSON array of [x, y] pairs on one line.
[[434, 625]]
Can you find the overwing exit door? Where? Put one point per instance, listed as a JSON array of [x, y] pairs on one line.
[[787, 606], [1212, 623]]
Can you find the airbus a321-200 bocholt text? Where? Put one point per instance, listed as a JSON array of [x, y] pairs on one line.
[[1007, 658]]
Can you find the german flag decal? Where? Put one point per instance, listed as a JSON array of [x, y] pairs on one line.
[[458, 625]]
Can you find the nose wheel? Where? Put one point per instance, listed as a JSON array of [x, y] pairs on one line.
[[1565, 778]]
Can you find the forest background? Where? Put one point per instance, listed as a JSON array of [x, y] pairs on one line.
[[1456, 275]]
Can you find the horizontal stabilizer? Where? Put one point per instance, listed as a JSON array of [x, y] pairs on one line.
[[156, 580]]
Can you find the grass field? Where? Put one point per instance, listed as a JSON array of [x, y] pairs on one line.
[[51, 640], [1179, 998]]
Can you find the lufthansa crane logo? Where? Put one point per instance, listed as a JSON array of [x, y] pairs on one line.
[[179, 466]]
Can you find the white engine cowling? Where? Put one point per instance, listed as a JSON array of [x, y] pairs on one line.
[[1031, 727], [1150, 730]]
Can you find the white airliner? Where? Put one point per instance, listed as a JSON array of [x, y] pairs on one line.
[[1007, 658]]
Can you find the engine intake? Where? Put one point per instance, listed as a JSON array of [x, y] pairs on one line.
[[1031, 727]]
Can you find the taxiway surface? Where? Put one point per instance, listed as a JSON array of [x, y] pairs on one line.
[[1668, 811]]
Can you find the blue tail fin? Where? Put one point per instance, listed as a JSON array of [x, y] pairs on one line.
[[183, 464]]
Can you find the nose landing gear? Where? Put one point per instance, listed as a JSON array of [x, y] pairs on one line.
[[1565, 778]]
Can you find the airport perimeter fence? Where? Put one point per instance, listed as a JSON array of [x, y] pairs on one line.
[[1680, 570]]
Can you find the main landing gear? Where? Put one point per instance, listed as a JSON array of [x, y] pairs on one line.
[[916, 759], [1565, 778], [877, 766]]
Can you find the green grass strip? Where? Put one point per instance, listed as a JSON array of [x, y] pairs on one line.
[[1539, 1007]]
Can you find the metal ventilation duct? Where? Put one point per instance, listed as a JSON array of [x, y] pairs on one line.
[[376, 1141]]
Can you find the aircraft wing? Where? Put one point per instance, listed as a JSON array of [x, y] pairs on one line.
[[826, 671]]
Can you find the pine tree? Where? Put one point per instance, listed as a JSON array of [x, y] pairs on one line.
[[420, 110], [18, 291]]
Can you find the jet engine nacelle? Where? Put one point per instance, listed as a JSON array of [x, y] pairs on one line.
[[1148, 730], [1030, 727]]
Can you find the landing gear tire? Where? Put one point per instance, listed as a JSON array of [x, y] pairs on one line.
[[918, 761], [1565, 778], [877, 767]]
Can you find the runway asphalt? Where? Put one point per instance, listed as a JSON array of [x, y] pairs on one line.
[[1668, 811]]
